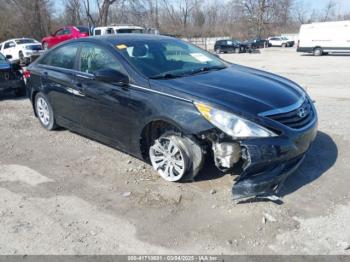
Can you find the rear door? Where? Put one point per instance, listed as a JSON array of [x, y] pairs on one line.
[[57, 72], [104, 107]]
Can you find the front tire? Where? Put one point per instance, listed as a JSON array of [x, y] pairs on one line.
[[318, 51], [176, 157], [44, 112]]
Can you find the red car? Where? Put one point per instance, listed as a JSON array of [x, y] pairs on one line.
[[64, 34]]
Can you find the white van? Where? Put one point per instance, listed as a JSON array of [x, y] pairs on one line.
[[324, 38], [118, 29]]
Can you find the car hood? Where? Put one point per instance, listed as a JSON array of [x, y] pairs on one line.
[[237, 88], [4, 65]]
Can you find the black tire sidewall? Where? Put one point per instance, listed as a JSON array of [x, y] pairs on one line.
[[51, 125]]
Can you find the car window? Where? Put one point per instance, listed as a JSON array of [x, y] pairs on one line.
[[25, 41], [94, 58], [2, 58], [66, 32], [9, 45], [129, 31], [0, 47], [60, 32], [110, 31], [63, 57], [97, 32]]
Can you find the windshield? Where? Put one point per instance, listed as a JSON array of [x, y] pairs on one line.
[[168, 58], [129, 31], [83, 29], [25, 41]]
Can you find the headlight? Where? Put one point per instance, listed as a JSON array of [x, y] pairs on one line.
[[231, 124]]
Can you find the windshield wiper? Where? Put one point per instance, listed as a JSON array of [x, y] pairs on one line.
[[165, 76], [206, 69]]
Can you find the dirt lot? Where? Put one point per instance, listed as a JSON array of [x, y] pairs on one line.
[[61, 193]]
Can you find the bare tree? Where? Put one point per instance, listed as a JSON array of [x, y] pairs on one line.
[[329, 11]]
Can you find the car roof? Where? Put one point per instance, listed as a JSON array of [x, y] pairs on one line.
[[15, 39], [121, 38]]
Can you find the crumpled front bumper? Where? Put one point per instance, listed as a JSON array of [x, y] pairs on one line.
[[269, 161]]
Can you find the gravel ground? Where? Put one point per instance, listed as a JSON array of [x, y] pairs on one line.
[[61, 193]]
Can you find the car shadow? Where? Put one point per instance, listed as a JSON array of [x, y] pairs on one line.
[[10, 96], [336, 55], [322, 156]]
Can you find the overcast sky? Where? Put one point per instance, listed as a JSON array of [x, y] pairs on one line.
[[342, 5]]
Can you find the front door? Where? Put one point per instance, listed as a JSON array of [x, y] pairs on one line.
[[104, 107]]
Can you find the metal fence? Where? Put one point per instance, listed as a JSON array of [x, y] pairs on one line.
[[206, 43]]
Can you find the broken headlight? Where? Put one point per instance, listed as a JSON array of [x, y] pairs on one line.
[[231, 124]]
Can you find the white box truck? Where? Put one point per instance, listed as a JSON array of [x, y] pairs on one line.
[[324, 38]]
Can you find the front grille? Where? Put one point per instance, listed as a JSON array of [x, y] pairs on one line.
[[297, 118]]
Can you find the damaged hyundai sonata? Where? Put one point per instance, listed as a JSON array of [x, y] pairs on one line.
[[175, 105]]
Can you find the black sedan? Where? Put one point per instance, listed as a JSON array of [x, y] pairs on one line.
[[171, 103], [11, 78], [230, 46]]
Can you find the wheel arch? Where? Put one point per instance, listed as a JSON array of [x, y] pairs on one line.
[[153, 129]]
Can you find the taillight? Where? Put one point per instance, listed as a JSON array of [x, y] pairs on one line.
[[26, 74]]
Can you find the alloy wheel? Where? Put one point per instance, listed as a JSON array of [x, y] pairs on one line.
[[43, 111], [167, 159]]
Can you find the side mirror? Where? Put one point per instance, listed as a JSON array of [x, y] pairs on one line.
[[112, 77], [8, 57]]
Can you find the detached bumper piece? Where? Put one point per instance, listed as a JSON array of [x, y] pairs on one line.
[[265, 184]]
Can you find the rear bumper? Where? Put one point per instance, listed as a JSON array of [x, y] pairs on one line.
[[268, 162]]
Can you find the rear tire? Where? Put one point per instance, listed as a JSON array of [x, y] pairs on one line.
[[44, 112], [176, 157], [217, 51], [318, 51], [45, 46]]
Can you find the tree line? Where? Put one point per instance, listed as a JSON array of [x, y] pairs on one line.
[[241, 19]]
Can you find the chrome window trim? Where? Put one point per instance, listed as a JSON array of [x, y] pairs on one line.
[[285, 109]]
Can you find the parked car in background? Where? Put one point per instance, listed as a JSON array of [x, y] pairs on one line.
[[257, 43], [11, 78], [175, 105], [118, 29], [324, 38], [23, 50], [64, 34], [280, 41], [230, 46]]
